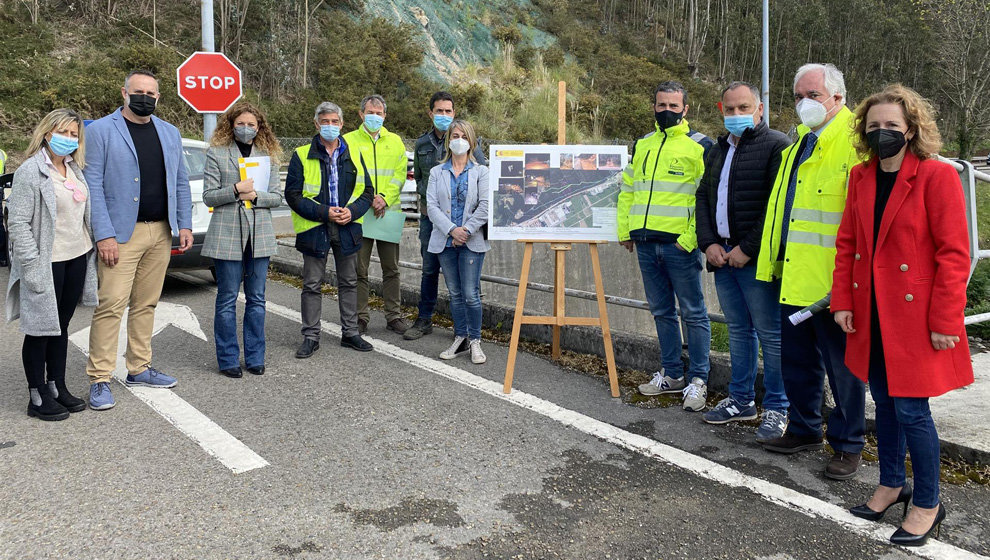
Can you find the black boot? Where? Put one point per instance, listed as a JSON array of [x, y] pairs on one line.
[[49, 409], [64, 397]]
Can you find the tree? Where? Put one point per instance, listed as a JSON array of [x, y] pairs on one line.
[[963, 61]]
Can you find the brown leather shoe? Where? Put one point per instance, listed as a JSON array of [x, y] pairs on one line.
[[398, 325], [789, 443], [843, 466]]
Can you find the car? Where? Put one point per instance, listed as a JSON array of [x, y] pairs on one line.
[[194, 154]]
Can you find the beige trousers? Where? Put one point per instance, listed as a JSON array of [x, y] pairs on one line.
[[136, 282]]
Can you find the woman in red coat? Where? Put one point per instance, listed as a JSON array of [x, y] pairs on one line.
[[899, 291]]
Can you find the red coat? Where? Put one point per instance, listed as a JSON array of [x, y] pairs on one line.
[[921, 266]]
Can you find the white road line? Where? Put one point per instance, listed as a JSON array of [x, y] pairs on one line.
[[700, 466], [216, 441]]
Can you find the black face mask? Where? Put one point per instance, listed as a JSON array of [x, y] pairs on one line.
[[141, 105], [885, 143], [667, 119]]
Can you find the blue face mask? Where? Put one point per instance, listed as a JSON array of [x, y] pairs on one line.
[[62, 145], [373, 122], [738, 124], [329, 132], [442, 122]]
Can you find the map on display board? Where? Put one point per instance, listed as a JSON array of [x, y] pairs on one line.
[[564, 193]]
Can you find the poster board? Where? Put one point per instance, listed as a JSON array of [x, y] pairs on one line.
[[563, 193]]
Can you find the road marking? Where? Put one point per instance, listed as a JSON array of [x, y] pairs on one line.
[[216, 441], [699, 466]]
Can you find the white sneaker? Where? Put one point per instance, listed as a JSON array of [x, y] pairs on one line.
[[477, 356], [661, 384], [460, 346], [695, 395]]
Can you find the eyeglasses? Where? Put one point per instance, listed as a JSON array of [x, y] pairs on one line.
[[78, 194]]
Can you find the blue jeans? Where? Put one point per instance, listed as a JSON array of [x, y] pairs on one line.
[[904, 423], [462, 273], [254, 272], [430, 281], [669, 272], [752, 309]]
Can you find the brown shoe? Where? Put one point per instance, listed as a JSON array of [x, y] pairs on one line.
[[843, 466], [362, 325], [397, 325], [789, 443]]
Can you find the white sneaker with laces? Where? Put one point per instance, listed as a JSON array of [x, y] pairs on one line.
[[460, 346], [695, 395], [477, 355], [661, 384]]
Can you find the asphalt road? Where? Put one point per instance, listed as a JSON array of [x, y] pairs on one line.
[[394, 454]]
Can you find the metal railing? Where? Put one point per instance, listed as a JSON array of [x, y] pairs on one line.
[[545, 288]]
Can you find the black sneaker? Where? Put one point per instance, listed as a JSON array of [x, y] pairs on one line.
[[356, 343], [420, 328], [307, 348]]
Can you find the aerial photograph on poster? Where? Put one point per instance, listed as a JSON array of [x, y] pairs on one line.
[[554, 192]]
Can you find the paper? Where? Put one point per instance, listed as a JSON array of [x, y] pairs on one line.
[[387, 228], [257, 168]]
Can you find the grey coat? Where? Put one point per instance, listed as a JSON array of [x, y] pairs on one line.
[[475, 208], [232, 225], [31, 227]]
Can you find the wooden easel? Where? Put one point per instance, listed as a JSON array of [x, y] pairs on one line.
[[559, 318]]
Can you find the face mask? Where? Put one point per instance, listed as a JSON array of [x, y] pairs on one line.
[[62, 145], [442, 122], [329, 132], [141, 105], [738, 124], [811, 112], [885, 143], [667, 119], [373, 122], [459, 146], [245, 134]]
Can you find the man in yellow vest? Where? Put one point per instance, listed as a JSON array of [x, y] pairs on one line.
[[3, 162], [656, 216], [326, 201], [382, 154], [798, 247]]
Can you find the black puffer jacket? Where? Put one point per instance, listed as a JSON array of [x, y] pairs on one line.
[[754, 166]]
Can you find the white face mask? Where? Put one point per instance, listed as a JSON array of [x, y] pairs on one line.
[[811, 112], [459, 146]]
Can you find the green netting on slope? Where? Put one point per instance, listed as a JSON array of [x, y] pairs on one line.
[[459, 32]]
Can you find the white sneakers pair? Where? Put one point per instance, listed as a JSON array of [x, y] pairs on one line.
[[460, 346], [695, 393]]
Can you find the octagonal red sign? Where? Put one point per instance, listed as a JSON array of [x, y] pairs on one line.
[[209, 82]]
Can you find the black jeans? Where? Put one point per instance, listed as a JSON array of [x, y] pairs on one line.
[[41, 352]]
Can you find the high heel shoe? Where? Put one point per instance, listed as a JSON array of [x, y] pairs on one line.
[[865, 512], [904, 538]]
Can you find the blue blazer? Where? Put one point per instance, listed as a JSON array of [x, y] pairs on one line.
[[114, 178]]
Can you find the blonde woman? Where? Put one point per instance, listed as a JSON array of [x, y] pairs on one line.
[[899, 290], [53, 264], [241, 238], [457, 203]]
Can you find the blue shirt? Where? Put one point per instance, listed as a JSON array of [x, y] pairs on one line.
[[458, 194], [332, 174], [809, 148]]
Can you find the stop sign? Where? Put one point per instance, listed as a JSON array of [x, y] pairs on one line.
[[209, 82]]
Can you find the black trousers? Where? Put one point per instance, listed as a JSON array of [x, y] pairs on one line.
[[810, 353], [48, 352]]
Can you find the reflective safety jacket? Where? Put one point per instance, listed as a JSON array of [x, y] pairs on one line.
[[385, 160], [805, 267], [659, 186], [3, 161]]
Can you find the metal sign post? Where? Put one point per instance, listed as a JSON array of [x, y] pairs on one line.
[[206, 22]]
